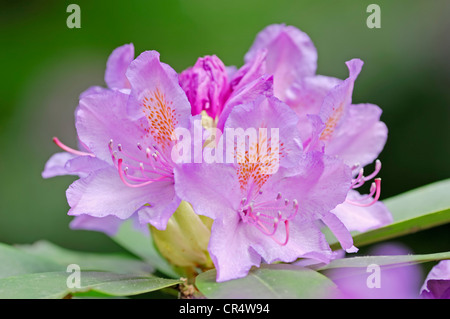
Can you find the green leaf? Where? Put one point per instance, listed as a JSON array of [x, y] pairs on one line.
[[390, 261], [117, 263], [142, 246], [415, 210], [16, 262], [54, 285], [280, 281]]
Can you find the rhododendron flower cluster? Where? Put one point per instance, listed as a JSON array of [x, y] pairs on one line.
[[295, 149]]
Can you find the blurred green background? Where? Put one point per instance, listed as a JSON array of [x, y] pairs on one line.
[[45, 66]]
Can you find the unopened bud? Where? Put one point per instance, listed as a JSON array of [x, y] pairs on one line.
[[206, 85], [185, 240]]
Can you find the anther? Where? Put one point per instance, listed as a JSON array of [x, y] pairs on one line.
[[375, 172], [355, 166]]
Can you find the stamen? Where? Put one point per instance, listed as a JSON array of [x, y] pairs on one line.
[[161, 154], [162, 171], [375, 199], [122, 177], [361, 179], [114, 157], [286, 226], [295, 207], [251, 208], [372, 190], [264, 229], [355, 166], [69, 149], [375, 172], [358, 178], [268, 223], [134, 178]]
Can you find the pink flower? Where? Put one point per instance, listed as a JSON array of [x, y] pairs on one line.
[[437, 283], [125, 165], [261, 213], [206, 86], [328, 120]]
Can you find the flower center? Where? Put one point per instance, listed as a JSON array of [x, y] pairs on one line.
[[259, 162], [161, 116], [332, 122], [148, 166], [267, 216]]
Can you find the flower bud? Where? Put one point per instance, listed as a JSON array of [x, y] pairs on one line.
[[184, 242], [206, 85]]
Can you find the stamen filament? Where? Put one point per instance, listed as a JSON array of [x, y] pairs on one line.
[[264, 229], [69, 149], [375, 199], [358, 178], [375, 172], [122, 177], [286, 225]]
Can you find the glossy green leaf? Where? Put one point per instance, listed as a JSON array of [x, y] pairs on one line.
[[389, 261], [16, 262], [280, 281], [142, 246], [54, 285], [415, 210], [117, 263]]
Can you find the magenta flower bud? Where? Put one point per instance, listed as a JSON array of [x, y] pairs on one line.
[[206, 85]]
